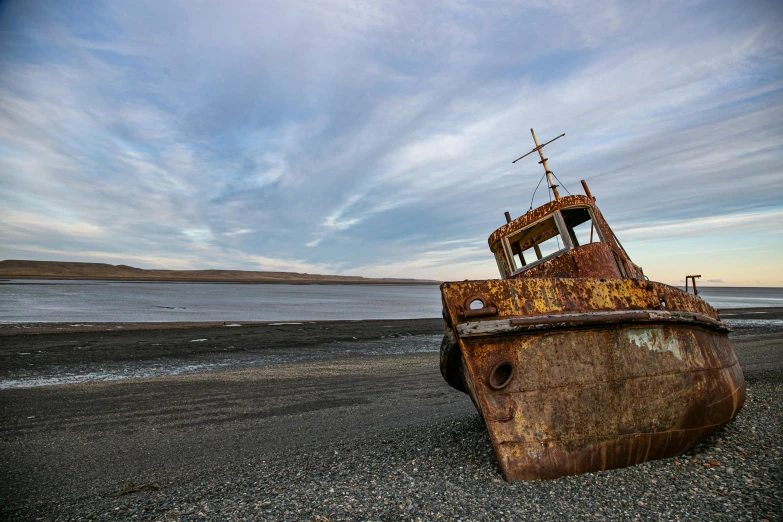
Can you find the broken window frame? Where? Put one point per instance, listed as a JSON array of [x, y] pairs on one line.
[[501, 267], [563, 232], [592, 223], [566, 241]]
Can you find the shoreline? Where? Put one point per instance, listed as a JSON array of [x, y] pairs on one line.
[[47, 355], [33, 354], [52, 354], [53, 327]]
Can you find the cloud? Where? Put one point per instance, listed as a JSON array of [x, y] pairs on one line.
[[336, 221], [238, 232], [763, 221], [382, 134], [20, 224]]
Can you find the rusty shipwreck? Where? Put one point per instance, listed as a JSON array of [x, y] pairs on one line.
[[576, 361]]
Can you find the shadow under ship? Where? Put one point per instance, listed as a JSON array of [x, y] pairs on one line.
[[574, 359]]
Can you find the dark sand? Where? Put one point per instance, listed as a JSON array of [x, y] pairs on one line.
[[51, 345], [364, 437]]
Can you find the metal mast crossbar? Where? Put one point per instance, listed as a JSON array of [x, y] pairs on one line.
[[543, 161]]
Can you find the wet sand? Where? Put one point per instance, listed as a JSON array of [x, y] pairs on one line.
[[356, 437], [43, 348]]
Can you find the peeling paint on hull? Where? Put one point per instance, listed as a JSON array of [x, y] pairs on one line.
[[654, 339]]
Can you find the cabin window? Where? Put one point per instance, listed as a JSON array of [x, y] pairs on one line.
[[580, 226], [537, 242]]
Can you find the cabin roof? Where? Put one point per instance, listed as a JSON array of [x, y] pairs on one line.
[[538, 213]]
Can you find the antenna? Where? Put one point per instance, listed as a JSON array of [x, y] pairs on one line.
[[543, 161]]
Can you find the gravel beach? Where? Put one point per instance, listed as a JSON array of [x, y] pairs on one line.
[[345, 434]]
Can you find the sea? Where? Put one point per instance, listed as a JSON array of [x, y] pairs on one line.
[[51, 301]]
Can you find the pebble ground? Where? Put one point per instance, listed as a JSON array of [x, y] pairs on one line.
[[446, 470]]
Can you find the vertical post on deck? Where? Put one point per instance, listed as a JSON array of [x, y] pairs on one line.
[[543, 162], [692, 278]]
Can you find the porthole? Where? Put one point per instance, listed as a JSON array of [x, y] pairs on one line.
[[501, 375]]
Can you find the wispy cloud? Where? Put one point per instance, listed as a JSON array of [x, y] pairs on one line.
[[381, 133], [755, 222]]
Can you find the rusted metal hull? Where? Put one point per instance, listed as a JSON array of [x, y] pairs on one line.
[[578, 375]]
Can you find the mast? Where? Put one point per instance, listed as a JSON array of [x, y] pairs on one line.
[[549, 176]]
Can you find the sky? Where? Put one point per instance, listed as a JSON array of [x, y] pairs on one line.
[[376, 138]]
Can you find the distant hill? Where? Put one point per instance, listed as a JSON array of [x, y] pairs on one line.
[[20, 269]]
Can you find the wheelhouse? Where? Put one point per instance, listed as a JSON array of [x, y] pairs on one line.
[[561, 231], [567, 237]]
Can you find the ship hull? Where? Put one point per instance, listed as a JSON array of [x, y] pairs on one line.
[[573, 376]]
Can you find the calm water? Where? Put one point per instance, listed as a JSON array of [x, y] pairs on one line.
[[106, 301], [734, 297]]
